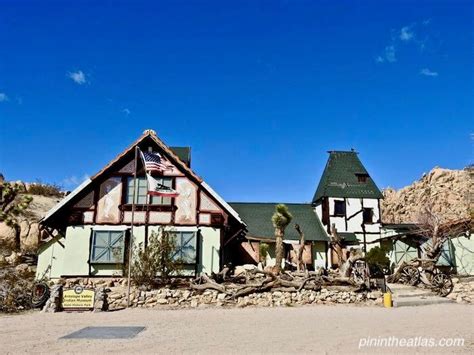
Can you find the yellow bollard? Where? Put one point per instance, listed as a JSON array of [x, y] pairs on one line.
[[387, 300]]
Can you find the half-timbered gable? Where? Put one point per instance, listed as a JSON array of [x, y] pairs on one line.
[[98, 215]]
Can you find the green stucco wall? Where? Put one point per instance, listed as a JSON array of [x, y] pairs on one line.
[[51, 254], [464, 253], [319, 254], [69, 256], [76, 253], [210, 245]]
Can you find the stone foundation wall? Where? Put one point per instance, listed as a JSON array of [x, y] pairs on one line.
[[185, 298], [166, 297]]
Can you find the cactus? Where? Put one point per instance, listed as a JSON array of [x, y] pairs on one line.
[[13, 205]]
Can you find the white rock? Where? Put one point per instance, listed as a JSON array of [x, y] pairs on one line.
[[7, 235]]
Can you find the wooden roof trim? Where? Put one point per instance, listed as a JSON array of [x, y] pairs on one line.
[[170, 153], [174, 156], [150, 133], [65, 200], [223, 204], [121, 155]]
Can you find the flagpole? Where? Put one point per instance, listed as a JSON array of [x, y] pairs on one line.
[[130, 247]]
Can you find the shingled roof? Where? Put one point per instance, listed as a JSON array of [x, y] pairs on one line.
[[183, 153], [258, 217], [341, 178]]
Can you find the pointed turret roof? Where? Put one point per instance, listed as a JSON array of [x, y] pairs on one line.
[[346, 176]]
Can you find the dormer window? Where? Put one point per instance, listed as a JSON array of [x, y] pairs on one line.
[[362, 177]]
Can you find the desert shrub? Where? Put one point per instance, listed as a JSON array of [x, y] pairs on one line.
[[42, 189], [377, 260], [15, 290], [155, 264], [263, 251]]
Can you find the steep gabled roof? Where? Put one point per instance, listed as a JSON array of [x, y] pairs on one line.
[[173, 156], [167, 150], [340, 178], [258, 218]]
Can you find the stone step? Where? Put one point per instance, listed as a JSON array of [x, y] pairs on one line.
[[421, 294], [409, 296], [417, 301]]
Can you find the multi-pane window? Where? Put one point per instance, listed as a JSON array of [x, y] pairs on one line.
[[142, 194], [339, 208], [107, 247], [368, 215], [186, 244]]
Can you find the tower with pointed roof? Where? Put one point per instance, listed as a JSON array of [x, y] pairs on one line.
[[348, 199]]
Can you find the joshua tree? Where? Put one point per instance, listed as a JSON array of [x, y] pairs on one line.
[[13, 206], [281, 219], [438, 231]]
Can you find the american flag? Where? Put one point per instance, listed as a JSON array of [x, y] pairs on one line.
[[154, 161]]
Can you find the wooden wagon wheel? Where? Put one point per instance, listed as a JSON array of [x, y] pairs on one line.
[[442, 284], [410, 275], [40, 294]]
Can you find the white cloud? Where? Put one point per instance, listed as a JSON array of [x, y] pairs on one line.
[[3, 97], [406, 33], [78, 77], [126, 111], [427, 72], [390, 54], [410, 34], [74, 181]]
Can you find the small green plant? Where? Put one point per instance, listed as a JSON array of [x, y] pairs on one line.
[[156, 263], [263, 251]]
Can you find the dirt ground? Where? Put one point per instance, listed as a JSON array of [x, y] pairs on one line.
[[310, 329]]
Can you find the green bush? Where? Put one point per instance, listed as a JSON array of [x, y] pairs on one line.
[[155, 264], [377, 260]]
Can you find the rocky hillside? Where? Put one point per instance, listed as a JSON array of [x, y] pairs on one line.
[[27, 222], [447, 190]]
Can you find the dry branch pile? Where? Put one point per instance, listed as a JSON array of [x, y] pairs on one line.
[[255, 281], [15, 290]]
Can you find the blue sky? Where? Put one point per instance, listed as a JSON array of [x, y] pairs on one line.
[[259, 89]]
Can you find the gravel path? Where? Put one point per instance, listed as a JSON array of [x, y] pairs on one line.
[[317, 329]]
